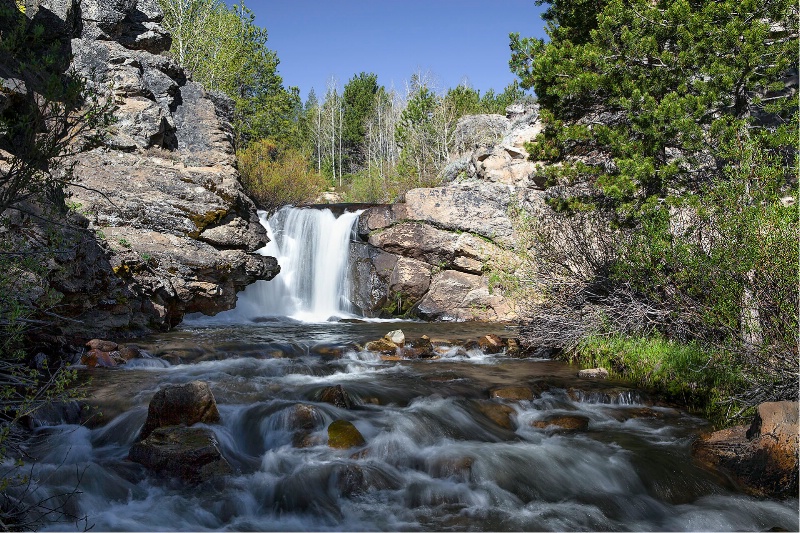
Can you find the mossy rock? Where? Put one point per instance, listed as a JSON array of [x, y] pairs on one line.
[[343, 434]]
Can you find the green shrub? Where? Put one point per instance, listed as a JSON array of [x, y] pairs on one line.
[[275, 177]]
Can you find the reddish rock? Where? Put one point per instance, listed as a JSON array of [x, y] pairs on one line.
[[95, 358], [129, 352], [185, 404], [762, 457], [565, 422]]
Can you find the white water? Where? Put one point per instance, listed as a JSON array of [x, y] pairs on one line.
[[312, 247]]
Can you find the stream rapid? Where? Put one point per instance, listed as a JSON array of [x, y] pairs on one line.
[[433, 459]]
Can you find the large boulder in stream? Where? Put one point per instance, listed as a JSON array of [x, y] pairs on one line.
[[186, 404], [762, 457], [190, 454]]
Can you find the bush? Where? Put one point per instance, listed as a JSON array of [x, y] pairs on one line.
[[275, 177]]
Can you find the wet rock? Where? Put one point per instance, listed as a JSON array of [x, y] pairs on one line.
[[593, 373], [491, 344], [102, 345], [498, 413], [513, 394], [384, 346], [190, 454], [628, 413], [130, 352], [421, 348], [97, 358], [304, 419], [459, 468], [335, 395], [186, 404], [512, 348], [343, 434], [563, 422], [764, 456]]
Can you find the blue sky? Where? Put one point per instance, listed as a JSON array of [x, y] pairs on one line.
[[452, 39]]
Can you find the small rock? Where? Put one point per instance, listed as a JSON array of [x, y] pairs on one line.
[[335, 396], [304, 416], [593, 373], [343, 434], [185, 404], [491, 344], [191, 454], [102, 345], [511, 393], [397, 337], [565, 422]]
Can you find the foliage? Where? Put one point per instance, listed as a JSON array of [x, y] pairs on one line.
[[226, 51], [276, 176], [674, 130]]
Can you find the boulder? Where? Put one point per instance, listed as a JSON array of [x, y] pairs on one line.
[[593, 373], [191, 454], [562, 422], [98, 358], [491, 344], [513, 394], [384, 346], [336, 396], [304, 419], [762, 457], [500, 414], [457, 295], [396, 336], [186, 404], [421, 348], [343, 434]]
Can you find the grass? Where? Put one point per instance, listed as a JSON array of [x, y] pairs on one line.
[[703, 380]]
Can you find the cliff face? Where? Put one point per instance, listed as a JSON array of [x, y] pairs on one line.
[[443, 252], [176, 230]]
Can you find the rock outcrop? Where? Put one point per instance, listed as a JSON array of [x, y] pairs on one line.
[[439, 253], [762, 457], [172, 231]]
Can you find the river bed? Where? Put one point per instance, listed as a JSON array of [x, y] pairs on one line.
[[433, 460]]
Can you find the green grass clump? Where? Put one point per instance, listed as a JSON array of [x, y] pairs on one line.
[[703, 380]]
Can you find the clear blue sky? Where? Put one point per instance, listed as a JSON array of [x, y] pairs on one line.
[[452, 39]]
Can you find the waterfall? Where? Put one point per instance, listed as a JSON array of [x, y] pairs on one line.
[[312, 248]]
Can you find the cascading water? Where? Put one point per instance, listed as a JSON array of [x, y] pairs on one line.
[[312, 248]]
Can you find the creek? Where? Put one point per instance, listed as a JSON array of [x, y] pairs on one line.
[[434, 459]]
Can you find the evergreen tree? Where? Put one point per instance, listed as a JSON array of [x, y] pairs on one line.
[[359, 105]]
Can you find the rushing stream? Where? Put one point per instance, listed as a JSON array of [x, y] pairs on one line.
[[433, 460]]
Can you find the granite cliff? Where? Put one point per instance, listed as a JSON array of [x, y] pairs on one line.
[[160, 226]]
